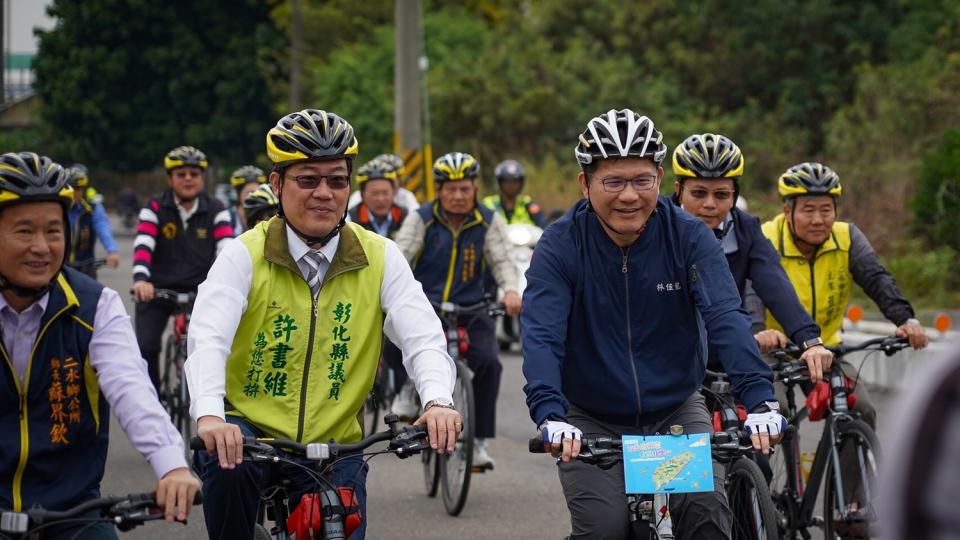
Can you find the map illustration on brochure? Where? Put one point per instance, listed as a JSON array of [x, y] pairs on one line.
[[667, 463]]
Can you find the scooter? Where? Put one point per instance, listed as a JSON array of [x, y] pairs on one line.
[[523, 238]]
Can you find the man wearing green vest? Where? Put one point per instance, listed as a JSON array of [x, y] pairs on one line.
[[288, 327], [513, 206], [823, 257]]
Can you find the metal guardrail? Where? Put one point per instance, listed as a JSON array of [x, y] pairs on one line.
[[899, 371]]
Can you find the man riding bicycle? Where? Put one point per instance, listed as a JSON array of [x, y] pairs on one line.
[[512, 205], [449, 243], [823, 258], [179, 234], [623, 295], [287, 329], [404, 198], [69, 357], [260, 205], [708, 169], [88, 222], [377, 210]]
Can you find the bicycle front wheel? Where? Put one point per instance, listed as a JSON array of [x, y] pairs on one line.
[[456, 468], [170, 381], [754, 516], [851, 513], [431, 471]]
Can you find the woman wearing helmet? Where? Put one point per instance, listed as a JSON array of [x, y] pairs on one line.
[[450, 242], [311, 298], [619, 293], [59, 328], [243, 181], [708, 169]]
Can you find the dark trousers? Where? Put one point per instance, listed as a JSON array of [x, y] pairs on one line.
[[81, 531], [231, 498], [150, 322], [597, 498], [484, 361], [393, 358]]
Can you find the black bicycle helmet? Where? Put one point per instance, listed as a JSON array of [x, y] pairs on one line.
[[376, 169], [707, 155], [455, 166], [809, 178], [620, 134], [509, 170], [246, 175], [311, 134], [260, 204], [29, 177], [184, 156]]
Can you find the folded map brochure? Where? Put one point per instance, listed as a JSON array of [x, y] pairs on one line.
[[667, 463]]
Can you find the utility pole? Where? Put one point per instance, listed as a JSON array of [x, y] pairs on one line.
[[407, 115], [296, 52]]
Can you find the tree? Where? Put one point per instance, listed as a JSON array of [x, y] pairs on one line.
[[937, 204], [123, 81]]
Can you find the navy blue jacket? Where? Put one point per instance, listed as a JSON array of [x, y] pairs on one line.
[[622, 332], [451, 264], [54, 429]]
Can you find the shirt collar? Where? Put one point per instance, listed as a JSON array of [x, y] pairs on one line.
[[40, 304], [298, 248]]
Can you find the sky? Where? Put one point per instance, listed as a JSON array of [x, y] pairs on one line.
[[21, 18]]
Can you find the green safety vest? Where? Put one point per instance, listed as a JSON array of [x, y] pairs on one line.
[[300, 368], [823, 286], [521, 214]]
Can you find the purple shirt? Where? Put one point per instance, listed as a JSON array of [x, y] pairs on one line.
[[121, 374]]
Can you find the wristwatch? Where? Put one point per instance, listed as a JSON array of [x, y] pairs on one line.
[[912, 320], [811, 343], [439, 402]]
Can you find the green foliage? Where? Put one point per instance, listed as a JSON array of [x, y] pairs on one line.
[[927, 277], [123, 82], [937, 204]]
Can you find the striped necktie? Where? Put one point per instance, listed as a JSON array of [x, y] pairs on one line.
[[313, 259]]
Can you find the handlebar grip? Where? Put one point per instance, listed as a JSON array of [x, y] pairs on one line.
[[196, 443], [535, 445]]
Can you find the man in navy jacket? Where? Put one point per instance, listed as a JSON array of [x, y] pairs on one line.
[[624, 293], [708, 167]]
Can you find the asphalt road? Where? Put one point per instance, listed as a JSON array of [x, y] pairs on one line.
[[521, 498]]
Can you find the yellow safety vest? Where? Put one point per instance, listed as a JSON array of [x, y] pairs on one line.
[[823, 286], [520, 212], [300, 368]]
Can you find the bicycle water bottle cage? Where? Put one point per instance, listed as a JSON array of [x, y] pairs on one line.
[[818, 400], [463, 340]]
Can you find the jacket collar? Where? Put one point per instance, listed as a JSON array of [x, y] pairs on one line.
[[349, 253]]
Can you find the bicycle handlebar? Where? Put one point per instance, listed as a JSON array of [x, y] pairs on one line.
[[606, 452], [403, 441], [494, 309], [183, 299], [124, 512]]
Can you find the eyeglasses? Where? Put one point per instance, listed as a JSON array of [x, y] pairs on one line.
[[310, 182], [640, 183], [720, 194]]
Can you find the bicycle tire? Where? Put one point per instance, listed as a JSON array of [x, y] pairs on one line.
[[754, 515], [431, 472], [866, 446], [169, 383], [456, 468], [185, 424], [784, 462]]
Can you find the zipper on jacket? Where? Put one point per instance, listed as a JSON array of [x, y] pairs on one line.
[[451, 267], [306, 368], [633, 368], [813, 291]]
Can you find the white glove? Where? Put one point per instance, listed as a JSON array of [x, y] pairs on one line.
[[770, 422], [554, 432]]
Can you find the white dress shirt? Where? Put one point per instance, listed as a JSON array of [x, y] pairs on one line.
[[409, 322], [121, 375]]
